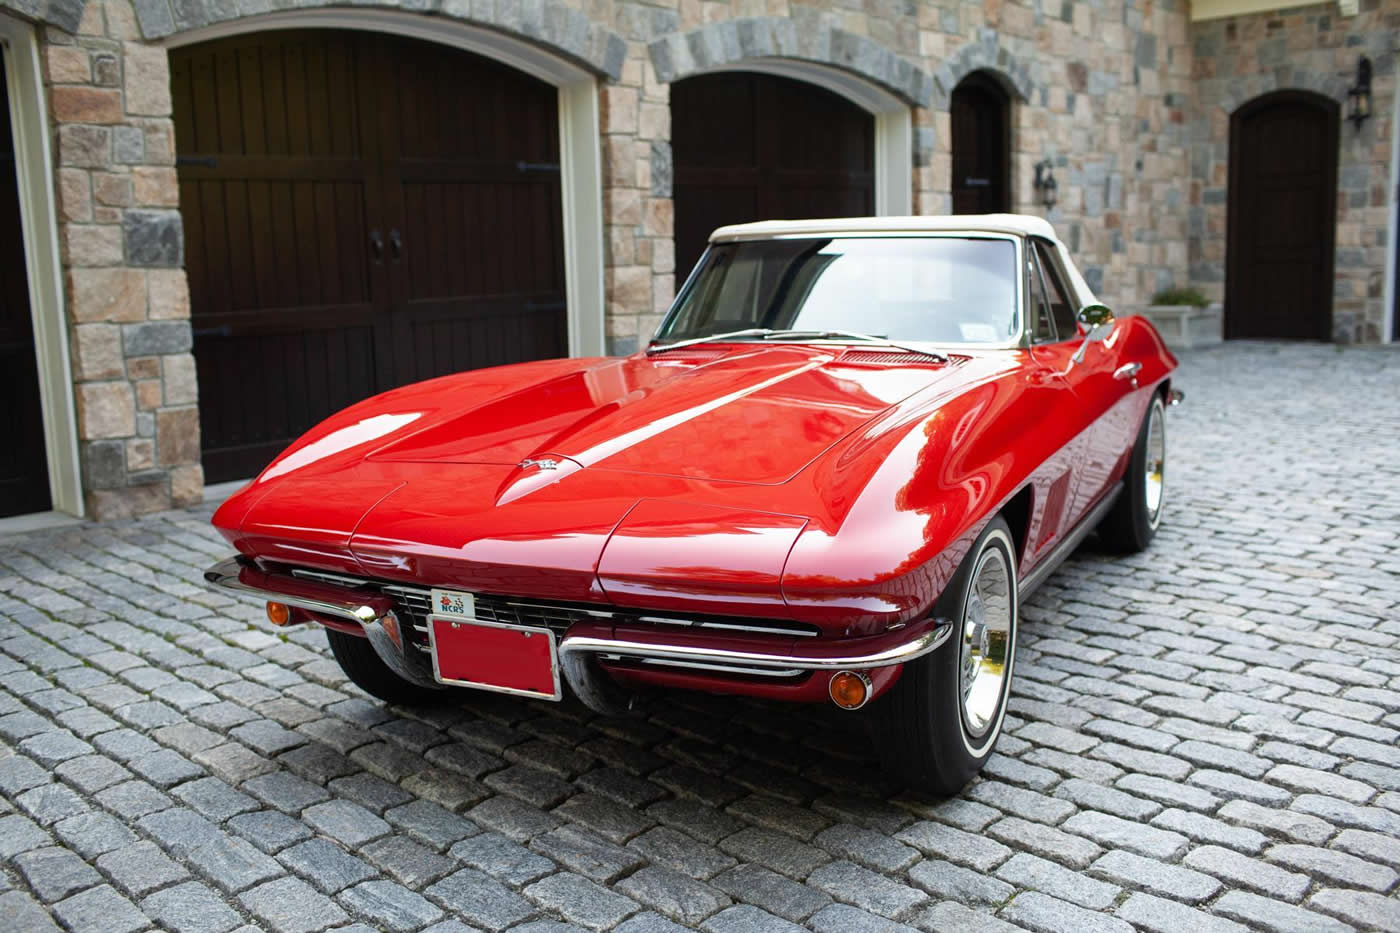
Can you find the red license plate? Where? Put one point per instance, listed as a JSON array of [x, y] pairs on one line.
[[504, 658]]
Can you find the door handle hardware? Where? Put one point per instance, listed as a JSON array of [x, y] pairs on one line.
[[376, 246], [537, 166], [395, 245], [977, 182], [1128, 371]]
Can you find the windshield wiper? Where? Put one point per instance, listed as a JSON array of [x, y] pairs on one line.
[[728, 335], [850, 335], [769, 333]]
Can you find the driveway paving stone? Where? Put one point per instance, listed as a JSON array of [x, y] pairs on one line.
[[1202, 737]]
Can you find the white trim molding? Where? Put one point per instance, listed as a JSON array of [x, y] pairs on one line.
[[39, 225], [1219, 9], [580, 139], [1390, 326], [894, 124]]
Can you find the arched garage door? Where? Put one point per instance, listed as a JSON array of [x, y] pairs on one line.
[[361, 211], [750, 146]]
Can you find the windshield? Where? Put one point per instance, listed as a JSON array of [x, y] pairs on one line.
[[943, 289]]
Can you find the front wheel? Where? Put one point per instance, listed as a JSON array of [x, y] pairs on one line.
[[1132, 522], [938, 725], [362, 665]]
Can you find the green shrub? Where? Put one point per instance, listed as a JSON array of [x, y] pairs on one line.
[[1180, 296]]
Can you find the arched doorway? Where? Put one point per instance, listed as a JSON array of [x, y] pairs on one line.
[[361, 210], [980, 112], [1281, 217], [757, 146]]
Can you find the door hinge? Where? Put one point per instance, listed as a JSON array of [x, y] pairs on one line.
[[201, 161], [537, 166]]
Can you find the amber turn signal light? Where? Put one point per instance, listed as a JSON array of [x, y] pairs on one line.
[[279, 613], [849, 689]]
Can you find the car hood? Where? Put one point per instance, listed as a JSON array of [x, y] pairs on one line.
[[661, 469], [750, 415]]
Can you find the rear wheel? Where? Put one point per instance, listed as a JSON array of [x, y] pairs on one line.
[[938, 725], [357, 658], [1132, 522]]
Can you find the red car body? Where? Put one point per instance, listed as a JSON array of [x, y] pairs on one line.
[[822, 495]]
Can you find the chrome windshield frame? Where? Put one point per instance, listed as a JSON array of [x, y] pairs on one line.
[[1018, 245]]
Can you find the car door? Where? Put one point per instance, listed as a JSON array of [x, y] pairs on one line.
[[1055, 480], [1096, 392]]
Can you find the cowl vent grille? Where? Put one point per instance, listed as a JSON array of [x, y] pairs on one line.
[[888, 358], [688, 354]]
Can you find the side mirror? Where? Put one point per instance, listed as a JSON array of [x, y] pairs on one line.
[[1097, 321]]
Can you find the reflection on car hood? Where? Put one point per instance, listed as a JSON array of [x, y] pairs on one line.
[[749, 414]]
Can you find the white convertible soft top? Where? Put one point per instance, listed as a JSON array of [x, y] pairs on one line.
[[1021, 224], [1014, 224]]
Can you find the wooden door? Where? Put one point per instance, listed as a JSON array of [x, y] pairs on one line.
[[474, 219], [24, 469], [980, 113], [751, 146], [361, 211], [1282, 218]]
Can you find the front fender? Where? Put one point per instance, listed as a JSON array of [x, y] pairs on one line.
[[916, 515]]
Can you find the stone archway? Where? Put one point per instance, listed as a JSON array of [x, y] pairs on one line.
[[65, 14], [551, 25], [1006, 74], [757, 38], [986, 54], [856, 68]]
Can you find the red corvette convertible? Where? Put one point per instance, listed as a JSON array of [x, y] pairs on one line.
[[850, 451]]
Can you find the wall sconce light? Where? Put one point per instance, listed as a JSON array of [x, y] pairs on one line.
[[1045, 183], [1359, 94]]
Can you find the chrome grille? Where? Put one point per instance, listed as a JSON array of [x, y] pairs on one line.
[[414, 603]]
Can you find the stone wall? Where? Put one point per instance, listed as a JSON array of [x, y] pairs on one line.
[[121, 247], [1309, 48], [1103, 88]]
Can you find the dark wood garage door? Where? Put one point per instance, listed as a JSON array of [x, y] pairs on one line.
[[1282, 220], [980, 113], [24, 471], [759, 147], [361, 211]]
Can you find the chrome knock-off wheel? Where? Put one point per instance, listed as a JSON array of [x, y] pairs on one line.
[[940, 723], [986, 642], [1132, 521], [1154, 474]]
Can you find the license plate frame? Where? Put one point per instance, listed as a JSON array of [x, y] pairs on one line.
[[493, 639]]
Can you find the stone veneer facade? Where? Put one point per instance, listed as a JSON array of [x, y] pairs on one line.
[[121, 247], [1309, 48], [1126, 97]]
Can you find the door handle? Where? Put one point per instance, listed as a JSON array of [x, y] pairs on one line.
[[395, 245], [376, 246], [1128, 371]]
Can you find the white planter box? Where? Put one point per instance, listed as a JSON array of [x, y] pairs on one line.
[[1185, 327]]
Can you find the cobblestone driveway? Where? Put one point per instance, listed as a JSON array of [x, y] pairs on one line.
[[1201, 738]]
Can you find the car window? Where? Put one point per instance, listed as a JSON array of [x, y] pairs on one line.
[[1044, 331], [1061, 308], [941, 289]]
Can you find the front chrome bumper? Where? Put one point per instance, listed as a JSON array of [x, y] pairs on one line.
[[664, 647], [728, 659]]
